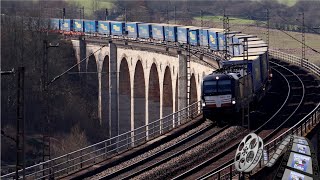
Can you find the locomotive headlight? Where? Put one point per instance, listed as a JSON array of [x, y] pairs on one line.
[[203, 104], [233, 102]]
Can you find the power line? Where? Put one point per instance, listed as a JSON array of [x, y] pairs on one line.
[[299, 22], [65, 72], [293, 38], [299, 41], [7, 136]]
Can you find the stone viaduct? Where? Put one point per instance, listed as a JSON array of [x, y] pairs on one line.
[[136, 86]]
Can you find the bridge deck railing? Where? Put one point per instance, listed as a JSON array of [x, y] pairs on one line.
[[90, 155], [304, 126]]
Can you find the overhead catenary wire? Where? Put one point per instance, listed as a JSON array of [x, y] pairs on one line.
[[312, 29], [299, 41], [292, 38], [66, 71]]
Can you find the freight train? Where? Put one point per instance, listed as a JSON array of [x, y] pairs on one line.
[[210, 38], [228, 90]]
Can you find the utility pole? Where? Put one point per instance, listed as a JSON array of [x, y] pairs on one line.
[[268, 30], [226, 29], [125, 14], [64, 13], [82, 12], [46, 149], [167, 13], [201, 31], [166, 31], [201, 15], [46, 125], [189, 71], [107, 14], [20, 131], [189, 75], [303, 49], [246, 105], [20, 134], [175, 15]]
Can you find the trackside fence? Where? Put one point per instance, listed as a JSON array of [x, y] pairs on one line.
[[90, 155], [304, 126]]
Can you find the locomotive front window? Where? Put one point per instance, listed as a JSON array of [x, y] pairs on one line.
[[224, 86], [209, 87], [217, 87]]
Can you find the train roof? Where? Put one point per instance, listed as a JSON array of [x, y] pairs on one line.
[[117, 21], [240, 58], [241, 36], [134, 22], [190, 27], [204, 28], [158, 24], [233, 32], [217, 76], [172, 25], [148, 23], [216, 29]]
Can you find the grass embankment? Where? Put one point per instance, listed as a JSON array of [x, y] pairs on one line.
[[92, 5], [233, 20]]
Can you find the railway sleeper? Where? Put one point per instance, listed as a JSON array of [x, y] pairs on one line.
[[312, 97], [308, 105], [295, 85], [313, 103], [312, 85]]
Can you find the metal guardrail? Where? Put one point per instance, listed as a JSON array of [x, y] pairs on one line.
[[90, 155], [295, 60], [301, 128]]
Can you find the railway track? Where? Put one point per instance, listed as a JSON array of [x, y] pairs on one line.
[[165, 155], [290, 112], [131, 165], [293, 93]]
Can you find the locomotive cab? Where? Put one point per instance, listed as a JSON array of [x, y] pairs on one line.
[[218, 94]]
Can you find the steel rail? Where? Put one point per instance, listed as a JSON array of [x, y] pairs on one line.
[[209, 174], [302, 127], [232, 147], [176, 154], [159, 153], [298, 106]]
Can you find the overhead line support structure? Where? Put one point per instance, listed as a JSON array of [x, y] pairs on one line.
[[226, 29], [188, 75], [268, 30], [20, 123], [175, 14], [20, 137], [46, 123], [303, 48], [46, 146], [246, 105]]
